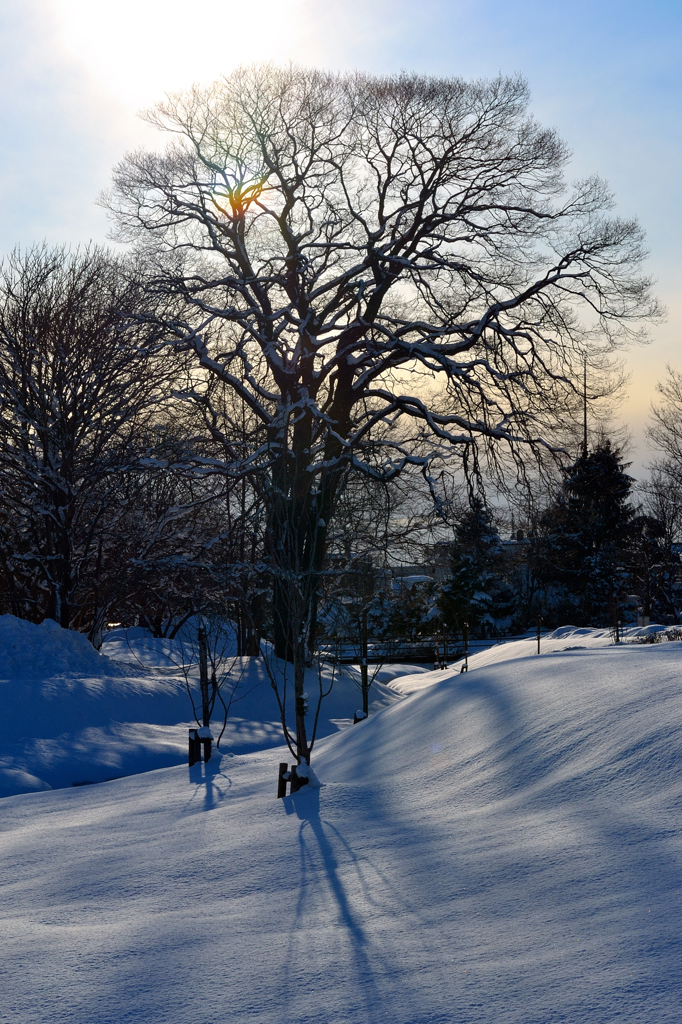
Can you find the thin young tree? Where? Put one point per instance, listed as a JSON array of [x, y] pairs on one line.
[[352, 250]]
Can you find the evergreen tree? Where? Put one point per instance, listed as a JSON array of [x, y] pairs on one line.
[[654, 566], [476, 590], [580, 554]]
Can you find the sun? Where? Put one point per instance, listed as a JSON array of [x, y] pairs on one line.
[[140, 49]]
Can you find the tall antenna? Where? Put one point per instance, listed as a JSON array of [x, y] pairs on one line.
[[585, 406]]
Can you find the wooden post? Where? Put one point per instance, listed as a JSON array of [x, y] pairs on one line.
[[465, 637], [296, 781], [282, 780], [364, 675], [539, 625], [616, 624], [194, 748]]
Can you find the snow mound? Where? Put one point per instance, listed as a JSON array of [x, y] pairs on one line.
[[30, 651], [136, 646], [503, 847], [561, 640], [71, 715], [14, 780]]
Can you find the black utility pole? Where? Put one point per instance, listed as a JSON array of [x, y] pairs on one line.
[[203, 682], [364, 675], [585, 406]]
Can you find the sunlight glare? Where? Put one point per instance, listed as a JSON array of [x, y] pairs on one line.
[[140, 49]]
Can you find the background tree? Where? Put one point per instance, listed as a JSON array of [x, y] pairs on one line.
[[581, 552], [354, 250], [476, 590], [79, 384], [665, 425], [653, 568], [661, 497]]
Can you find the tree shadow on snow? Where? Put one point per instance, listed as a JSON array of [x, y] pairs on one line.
[[215, 784], [320, 877]]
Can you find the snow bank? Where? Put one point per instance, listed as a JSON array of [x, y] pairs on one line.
[[29, 651], [562, 639], [136, 646], [504, 846], [71, 715], [13, 781]]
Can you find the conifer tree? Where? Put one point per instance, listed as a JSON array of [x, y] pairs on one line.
[[580, 555], [476, 591]]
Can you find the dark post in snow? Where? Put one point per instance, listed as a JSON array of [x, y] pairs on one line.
[[616, 625], [364, 676], [539, 625], [203, 682], [465, 638], [194, 747], [282, 780], [297, 781]]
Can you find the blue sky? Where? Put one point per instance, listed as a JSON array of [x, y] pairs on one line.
[[608, 75]]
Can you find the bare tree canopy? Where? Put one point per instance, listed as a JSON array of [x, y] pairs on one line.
[[353, 250], [665, 427], [78, 388]]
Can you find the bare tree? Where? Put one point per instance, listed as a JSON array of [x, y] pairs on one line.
[[79, 384], [665, 427], [353, 251]]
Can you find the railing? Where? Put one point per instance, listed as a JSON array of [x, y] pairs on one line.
[[348, 650]]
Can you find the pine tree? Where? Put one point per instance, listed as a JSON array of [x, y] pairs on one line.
[[476, 591], [580, 554]]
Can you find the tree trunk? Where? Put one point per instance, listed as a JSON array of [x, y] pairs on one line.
[[203, 676]]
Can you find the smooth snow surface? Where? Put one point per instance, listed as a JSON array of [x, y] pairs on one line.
[[502, 847], [566, 638]]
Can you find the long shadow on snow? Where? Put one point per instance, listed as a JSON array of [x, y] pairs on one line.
[[316, 846], [215, 783]]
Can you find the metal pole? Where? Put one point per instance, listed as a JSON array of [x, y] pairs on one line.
[[203, 675], [363, 664], [585, 406], [203, 682]]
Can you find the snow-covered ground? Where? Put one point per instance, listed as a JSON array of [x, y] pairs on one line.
[[499, 846], [71, 715]]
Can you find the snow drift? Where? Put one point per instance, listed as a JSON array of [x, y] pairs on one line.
[[503, 846], [71, 715]]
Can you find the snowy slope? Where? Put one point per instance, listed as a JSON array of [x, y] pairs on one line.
[[503, 847], [70, 715], [566, 638]]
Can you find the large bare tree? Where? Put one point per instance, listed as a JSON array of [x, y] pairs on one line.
[[353, 251], [79, 386]]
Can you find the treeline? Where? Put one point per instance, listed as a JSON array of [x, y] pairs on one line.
[[111, 507], [599, 550], [119, 501]]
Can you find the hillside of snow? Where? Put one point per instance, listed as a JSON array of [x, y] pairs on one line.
[[71, 715], [500, 847]]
